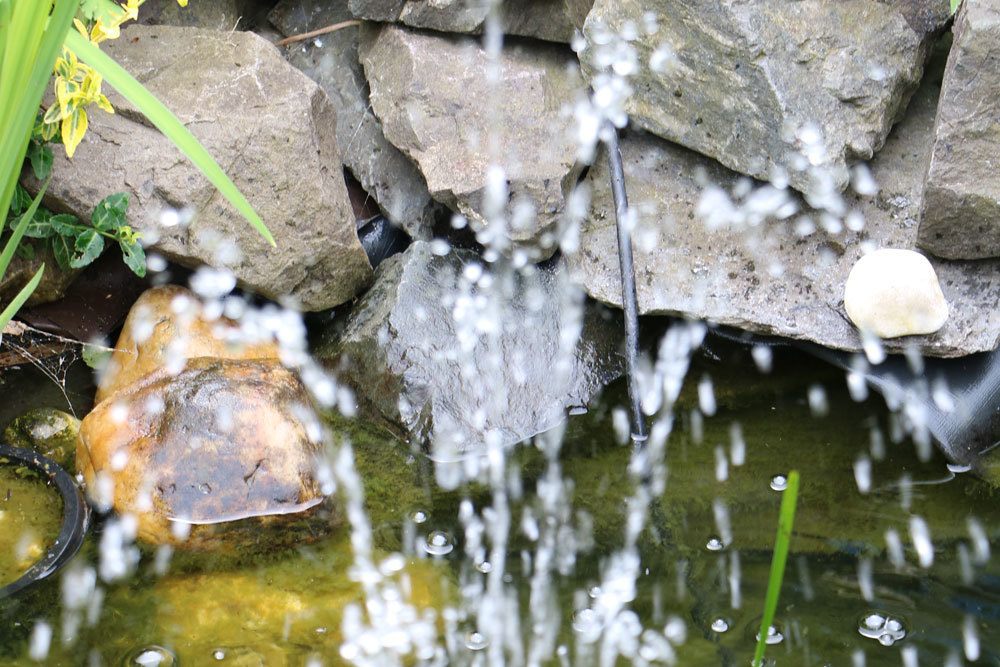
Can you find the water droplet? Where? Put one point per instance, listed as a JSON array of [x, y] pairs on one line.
[[588, 624], [774, 635], [419, 516], [779, 482], [714, 544], [205, 488], [885, 629], [485, 567], [577, 410], [476, 641], [958, 468], [151, 656], [219, 654], [439, 543], [720, 625]]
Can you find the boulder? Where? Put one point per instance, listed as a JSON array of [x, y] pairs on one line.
[[960, 218], [447, 362], [893, 293], [332, 61], [552, 20], [273, 130], [738, 80], [437, 105], [21, 270], [212, 453], [772, 277]]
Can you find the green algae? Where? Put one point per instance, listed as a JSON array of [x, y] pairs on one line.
[[30, 516]]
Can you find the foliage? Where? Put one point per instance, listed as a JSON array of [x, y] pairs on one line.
[[786, 518], [954, 5]]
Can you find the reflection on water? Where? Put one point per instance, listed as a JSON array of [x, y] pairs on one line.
[[890, 553]]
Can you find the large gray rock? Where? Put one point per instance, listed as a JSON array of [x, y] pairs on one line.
[[332, 61], [767, 278], [736, 79], [552, 20], [437, 104], [961, 213], [446, 361], [266, 123]]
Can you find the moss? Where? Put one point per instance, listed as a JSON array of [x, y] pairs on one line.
[[50, 432]]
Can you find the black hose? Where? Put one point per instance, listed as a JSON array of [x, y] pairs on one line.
[[629, 300]]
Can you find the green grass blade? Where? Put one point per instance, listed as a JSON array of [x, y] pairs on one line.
[[22, 296], [786, 519], [8, 252], [167, 123]]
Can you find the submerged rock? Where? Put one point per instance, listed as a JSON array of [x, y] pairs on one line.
[[435, 357], [50, 432], [273, 130], [218, 451], [438, 106], [892, 293], [553, 20], [779, 277], [960, 218], [737, 80], [332, 62]]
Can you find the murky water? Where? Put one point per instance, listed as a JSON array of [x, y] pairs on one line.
[[890, 556], [30, 514]]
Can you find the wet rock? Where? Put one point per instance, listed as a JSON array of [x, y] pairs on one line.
[[735, 79], [214, 14], [505, 373], [893, 293], [213, 453], [771, 277], [332, 62], [50, 432], [553, 20], [280, 151], [431, 91], [961, 213], [21, 270]]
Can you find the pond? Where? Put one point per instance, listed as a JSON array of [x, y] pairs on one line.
[[890, 559]]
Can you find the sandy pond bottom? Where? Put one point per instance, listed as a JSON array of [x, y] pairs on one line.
[[284, 607]]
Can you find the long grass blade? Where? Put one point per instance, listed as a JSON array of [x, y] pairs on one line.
[[167, 123], [786, 518], [22, 296], [8, 252]]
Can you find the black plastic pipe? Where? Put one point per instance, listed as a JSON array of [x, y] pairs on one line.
[[629, 299]]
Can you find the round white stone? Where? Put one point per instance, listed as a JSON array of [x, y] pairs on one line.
[[893, 293]]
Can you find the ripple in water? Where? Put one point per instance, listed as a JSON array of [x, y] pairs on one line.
[[774, 635], [720, 625], [714, 544], [881, 627], [439, 543], [779, 482]]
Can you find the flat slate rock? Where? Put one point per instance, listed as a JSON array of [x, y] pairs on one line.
[[736, 79], [766, 278], [454, 371], [961, 213], [437, 105], [552, 20], [332, 61], [266, 123]]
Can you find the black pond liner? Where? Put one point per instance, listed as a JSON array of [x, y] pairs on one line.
[[75, 521]]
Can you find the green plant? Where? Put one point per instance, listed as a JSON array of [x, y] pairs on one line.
[[786, 518], [954, 5]]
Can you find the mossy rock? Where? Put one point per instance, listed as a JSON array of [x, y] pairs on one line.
[[50, 432]]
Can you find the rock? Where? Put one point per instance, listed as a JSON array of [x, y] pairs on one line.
[[217, 445], [735, 79], [960, 218], [552, 20], [430, 93], [770, 278], [893, 293], [404, 353], [332, 62], [19, 273], [284, 159], [50, 432], [225, 15]]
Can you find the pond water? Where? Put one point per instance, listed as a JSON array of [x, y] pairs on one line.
[[890, 558], [30, 515]]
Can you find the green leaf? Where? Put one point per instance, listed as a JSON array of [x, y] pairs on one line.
[[88, 247], [954, 5], [95, 356], [40, 156], [134, 257], [62, 249], [20, 202], [26, 251], [38, 227], [786, 518], [165, 121], [15, 238], [109, 214], [65, 224], [99, 9]]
